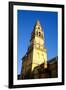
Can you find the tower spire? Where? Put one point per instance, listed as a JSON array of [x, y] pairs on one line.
[[37, 25], [38, 22], [37, 31]]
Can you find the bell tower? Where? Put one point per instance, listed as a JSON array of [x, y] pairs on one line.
[[39, 51], [36, 53], [37, 36]]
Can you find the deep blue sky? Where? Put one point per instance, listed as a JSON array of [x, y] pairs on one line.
[[26, 21]]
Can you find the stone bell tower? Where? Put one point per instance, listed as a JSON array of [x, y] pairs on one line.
[[39, 51], [36, 53]]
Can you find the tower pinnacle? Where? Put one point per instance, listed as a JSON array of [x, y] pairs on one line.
[[38, 22], [38, 26]]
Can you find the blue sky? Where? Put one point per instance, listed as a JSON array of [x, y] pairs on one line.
[[26, 21]]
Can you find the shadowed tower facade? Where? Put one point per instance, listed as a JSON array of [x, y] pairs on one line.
[[36, 53]]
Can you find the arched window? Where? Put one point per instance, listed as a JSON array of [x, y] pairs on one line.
[[39, 34], [38, 27]]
